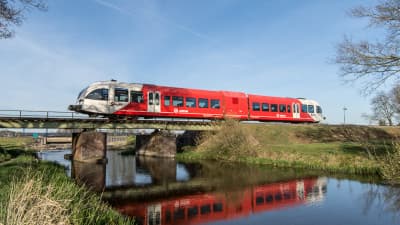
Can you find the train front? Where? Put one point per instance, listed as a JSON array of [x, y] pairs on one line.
[[312, 109]]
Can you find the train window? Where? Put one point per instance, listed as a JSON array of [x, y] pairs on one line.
[[136, 96], [282, 108], [278, 196], [179, 213], [310, 108], [269, 198], [303, 108], [274, 107], [157, 99], [265, 107], [177, 101], [191, 102], [215, 104], [203, 103], [151, 98], [259, 200], [256, 106], [218, 207], [288, 108], [121, 95], [205, 209], [287, 195], [319, 109], [193, 211], [98, 94], [167, 216], [167, 100], [82, 93]]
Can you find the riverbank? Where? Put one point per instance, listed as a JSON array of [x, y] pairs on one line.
[[340, 149], [35, 192]]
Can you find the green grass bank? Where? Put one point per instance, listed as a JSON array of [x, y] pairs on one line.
[[35, 192], [339, 149]]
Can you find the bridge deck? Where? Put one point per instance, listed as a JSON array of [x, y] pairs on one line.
[[95, 123]]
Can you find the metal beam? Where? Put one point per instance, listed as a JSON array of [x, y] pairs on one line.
[[70, 123]]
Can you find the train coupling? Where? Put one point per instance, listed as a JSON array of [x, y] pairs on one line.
[[76, 108]]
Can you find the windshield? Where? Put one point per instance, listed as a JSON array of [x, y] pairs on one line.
[[82, 93]]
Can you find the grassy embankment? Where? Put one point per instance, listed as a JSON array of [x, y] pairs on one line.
[[34, 192], [343, 149]]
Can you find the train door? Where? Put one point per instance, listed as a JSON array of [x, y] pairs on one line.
[[153, 103], [119, 98], [296, 111], [154, 214]]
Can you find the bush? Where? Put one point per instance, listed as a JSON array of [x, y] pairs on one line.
[[231, 141], [391, 165]]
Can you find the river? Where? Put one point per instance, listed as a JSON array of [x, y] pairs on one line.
[[163, 191]]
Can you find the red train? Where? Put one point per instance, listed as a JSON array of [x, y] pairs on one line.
[[118, 99], [202, 208]]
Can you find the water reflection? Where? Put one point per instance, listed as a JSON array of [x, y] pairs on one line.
[[206, 207], [92, 175], [158, 191]]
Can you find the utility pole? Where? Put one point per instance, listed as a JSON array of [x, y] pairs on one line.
[[344, 114]]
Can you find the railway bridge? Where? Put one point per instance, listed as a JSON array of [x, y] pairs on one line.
[[89, 139]]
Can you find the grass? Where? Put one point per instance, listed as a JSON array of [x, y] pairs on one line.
[[344, 149], [13, 147], [34, 192]]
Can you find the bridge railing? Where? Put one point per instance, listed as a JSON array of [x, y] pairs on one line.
[[41, 114]]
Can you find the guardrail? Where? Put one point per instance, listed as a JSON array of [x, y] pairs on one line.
[[41, 114]]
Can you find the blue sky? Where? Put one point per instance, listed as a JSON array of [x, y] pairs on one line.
[[278, 48]]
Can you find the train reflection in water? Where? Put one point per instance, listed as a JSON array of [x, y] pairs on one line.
[[164, 192], [207, 207]]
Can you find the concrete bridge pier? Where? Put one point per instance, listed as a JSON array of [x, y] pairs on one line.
[[162, 143], [89, 146]]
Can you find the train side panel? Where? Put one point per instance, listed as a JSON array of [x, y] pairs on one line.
[[267, 108], [235, 105]]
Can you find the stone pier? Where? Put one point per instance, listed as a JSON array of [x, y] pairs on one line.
[[158, 144], [89, 146], [164, 143]]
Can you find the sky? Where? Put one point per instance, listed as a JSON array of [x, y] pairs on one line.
[[277, 48]]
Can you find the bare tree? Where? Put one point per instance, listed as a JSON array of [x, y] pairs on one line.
[[12, 14], [373, 63], [383, 108]]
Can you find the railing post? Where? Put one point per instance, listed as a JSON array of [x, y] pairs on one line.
[[20, 114]]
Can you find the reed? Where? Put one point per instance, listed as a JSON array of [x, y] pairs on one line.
[[33, 192]]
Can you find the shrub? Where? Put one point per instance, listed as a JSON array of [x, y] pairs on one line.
[[231, 141], [391, 165]]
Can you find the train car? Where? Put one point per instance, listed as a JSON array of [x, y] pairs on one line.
[[266, 108], [118, 99]]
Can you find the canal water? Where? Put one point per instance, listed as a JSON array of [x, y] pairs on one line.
[[157, 191]]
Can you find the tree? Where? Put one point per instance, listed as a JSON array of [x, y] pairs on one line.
[[383, 108], [374, 63], [12, 14]]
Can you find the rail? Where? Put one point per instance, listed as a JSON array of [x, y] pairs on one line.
[[72, 120], [21, 114]]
